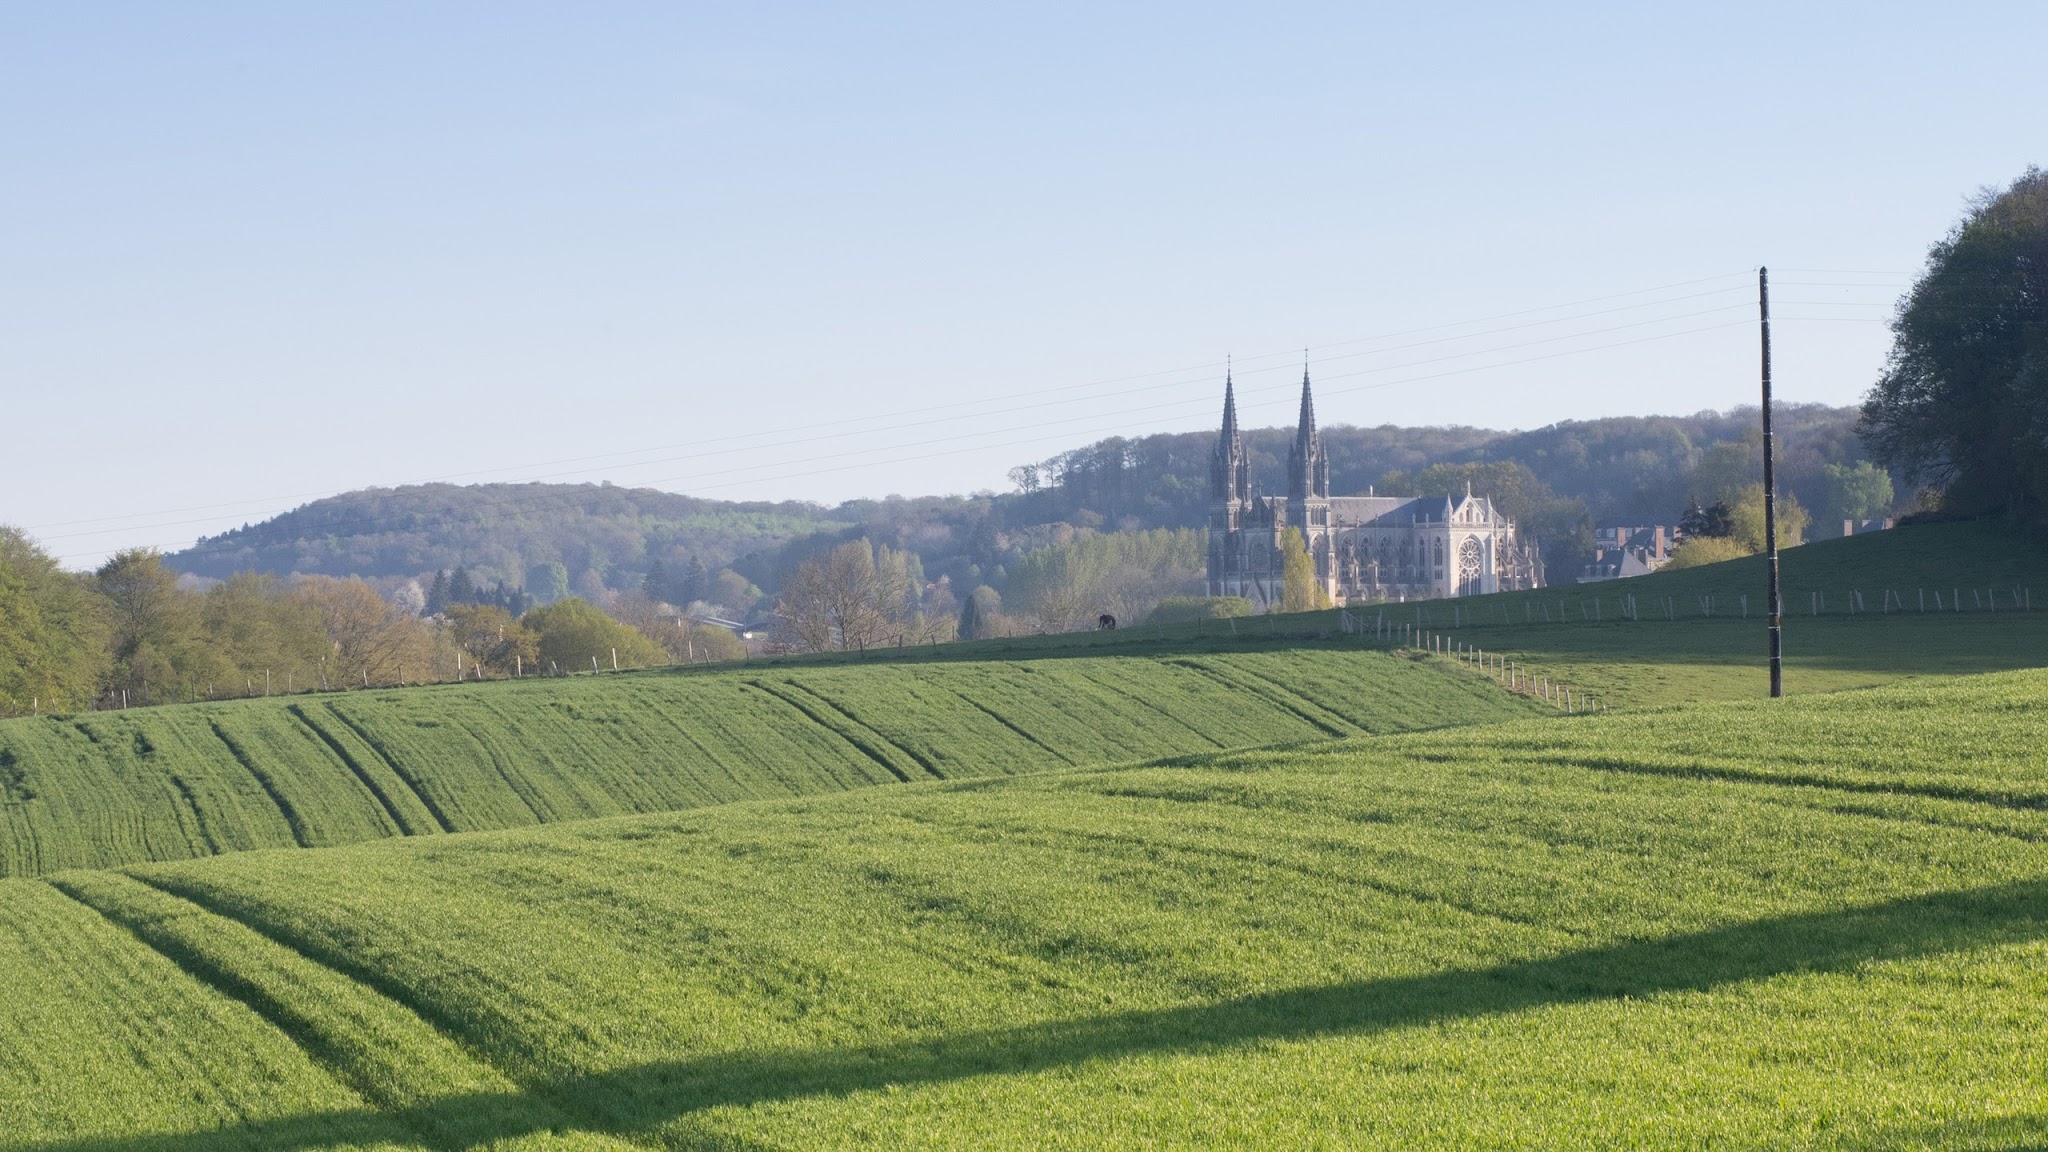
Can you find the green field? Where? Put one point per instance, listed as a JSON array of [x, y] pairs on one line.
[[319, 770], [1690, 639], [1291, 889], [1814, 924]]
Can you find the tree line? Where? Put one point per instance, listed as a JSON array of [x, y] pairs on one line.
[[1962, 406], [131, 634]]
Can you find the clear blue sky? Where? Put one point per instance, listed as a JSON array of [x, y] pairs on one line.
[[254, 253]]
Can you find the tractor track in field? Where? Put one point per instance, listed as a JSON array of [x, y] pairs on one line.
[[916, 757], [1118, 690], [204, 971], [1960, 794], [418, 790], [999, 718], [362, 775], [811, 714], [311, 1037], [1281, 695], [515, 784], [292, 819]]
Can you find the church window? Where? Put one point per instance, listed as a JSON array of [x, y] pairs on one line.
[[1471, 577]]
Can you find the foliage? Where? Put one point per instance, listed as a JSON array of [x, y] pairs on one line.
[[1188, 609], [1082, 575], [53, 632], [1963, 402], [156, 637], [494, 641], [1694, 551], [452, 588], [1618, 470], [681, 639], [853, 597], [503, 533], [1746, 520], [1809, 923], [1300, 591], [1859, 492], [1715, 520], [547, 582], [1556, 482], [574, 634]]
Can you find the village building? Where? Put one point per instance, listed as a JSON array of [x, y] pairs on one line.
[[1619, 553], [1365, 548]]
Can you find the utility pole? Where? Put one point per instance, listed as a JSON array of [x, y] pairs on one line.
[[1763, 302]]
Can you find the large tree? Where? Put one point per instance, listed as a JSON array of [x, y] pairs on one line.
[[53, 649], [1963, 403]]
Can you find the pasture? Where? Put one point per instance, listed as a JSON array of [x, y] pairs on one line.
[[1821, 923], [311, 771], [1926, 600]]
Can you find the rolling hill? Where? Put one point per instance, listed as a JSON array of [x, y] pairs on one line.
[[1821, 923], [168, 783], [1037, 893]]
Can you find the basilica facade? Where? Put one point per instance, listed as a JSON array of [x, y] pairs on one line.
[[1365, 548]]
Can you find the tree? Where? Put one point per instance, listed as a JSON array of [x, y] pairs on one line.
[[851, 597], [1746, 522], [695, 584], [656, 583], [1861, 492], [1300, 591], [1694, 551], [494, 640], [156, 628], [573, 632], [371, 641], [437, 595], [1718, 520], [971, 625], [255, 625], [52, 631], [546, 583], [1963, 401]]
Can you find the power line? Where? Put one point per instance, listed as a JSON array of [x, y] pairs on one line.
[[697, 446], [718, 484], [1176, 404]]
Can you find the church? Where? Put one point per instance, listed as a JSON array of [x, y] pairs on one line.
[[1365, 548]]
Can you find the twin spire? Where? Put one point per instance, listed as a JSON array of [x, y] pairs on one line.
[[1308, 466]]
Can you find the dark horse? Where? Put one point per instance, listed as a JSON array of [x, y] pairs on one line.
[[1105, 623]]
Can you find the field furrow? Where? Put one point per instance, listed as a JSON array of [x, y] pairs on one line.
[[313, 771]]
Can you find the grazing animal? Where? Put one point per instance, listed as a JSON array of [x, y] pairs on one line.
[[1105, 623]]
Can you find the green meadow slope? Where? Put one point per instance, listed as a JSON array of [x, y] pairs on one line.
[[318, 770], [1820, 923], [1937, 600]]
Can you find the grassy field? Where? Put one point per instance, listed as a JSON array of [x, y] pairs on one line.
[[1816, 924], [678, 918], [313, 771], [1686, 636]]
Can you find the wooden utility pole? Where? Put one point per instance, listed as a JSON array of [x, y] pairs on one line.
[[1763, 302]]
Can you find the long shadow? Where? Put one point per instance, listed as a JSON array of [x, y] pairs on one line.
[[632, 1102]]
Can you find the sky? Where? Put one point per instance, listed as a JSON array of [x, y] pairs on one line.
[[254, 254]]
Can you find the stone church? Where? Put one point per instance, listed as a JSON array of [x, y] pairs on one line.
[[1365, 548]]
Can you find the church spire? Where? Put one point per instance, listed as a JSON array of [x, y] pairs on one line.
[[1229, 403], [1230, 471], [1308, 466]]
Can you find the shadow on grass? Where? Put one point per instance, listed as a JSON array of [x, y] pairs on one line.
[[635, 1101]]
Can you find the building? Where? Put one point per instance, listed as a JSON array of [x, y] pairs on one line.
[[1365, 548], [1619, 553]]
